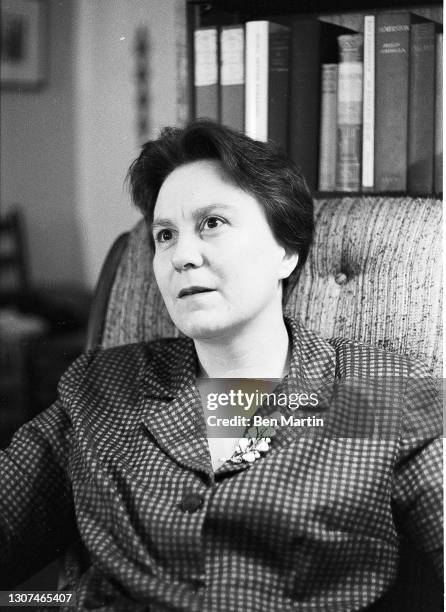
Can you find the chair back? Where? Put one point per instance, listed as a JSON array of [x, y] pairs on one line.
[[14, 277], [373, 275]]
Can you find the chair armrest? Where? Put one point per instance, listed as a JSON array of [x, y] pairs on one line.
[[101, 296]]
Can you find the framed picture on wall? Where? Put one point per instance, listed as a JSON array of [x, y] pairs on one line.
[[23, 44]]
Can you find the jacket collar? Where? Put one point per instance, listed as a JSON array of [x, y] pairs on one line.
[[173, 411], [174, 362], [313, 360]]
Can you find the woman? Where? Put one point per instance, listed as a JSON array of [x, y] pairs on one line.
[[172, 517]]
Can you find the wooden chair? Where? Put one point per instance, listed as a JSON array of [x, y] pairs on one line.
[[14, 275], [42, 329], [17, 330]]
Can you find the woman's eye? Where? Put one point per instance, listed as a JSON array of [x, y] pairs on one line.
[[163, 236], [212, 223]]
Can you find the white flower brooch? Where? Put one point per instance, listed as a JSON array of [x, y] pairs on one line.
[[256, 443]]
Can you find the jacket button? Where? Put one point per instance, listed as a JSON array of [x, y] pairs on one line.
[[341, 278], [191, 502]]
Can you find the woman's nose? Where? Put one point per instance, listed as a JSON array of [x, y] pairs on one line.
[[187, 253]]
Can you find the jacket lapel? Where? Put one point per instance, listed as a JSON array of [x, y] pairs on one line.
[[172, 410], [312, 369]]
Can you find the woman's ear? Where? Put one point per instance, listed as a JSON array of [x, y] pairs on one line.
[[288, 264]]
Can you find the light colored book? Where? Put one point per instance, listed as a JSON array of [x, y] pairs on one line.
[[267, 63], [206, 73], [368, 105], [349, 113]]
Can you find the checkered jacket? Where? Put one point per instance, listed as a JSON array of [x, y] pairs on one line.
[[122, 460]]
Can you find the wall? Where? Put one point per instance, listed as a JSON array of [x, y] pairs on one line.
[[106, 118], [67, 148], [38, 156]]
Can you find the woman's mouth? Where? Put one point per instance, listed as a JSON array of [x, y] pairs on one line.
[[187, 291]]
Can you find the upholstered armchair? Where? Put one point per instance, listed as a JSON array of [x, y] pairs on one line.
[[373, 275]]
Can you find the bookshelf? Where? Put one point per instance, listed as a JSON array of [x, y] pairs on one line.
[[344, 13]]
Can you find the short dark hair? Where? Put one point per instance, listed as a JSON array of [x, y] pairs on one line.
[[259, 168]]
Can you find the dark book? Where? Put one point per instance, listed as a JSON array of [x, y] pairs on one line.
[[206, 77], [313, 43], [392, 42], [438, 165], [420, 170], [232, 76], [267, 81]]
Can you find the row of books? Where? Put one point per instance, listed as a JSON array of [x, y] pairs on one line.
[[355, 111]]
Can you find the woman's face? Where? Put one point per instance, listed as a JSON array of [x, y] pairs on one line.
[[217, 263]]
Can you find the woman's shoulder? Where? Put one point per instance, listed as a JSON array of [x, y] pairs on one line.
[[360, 358], [354, 358], [124, 363], [396, 383]]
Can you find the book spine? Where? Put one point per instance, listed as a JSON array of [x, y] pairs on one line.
[[391, 101], [256, 71], [420, 170], [232, 76], [278, 85], [305, 98], [327, 147], [206, 73], [349, 113], [438, 165], [368, 105]]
